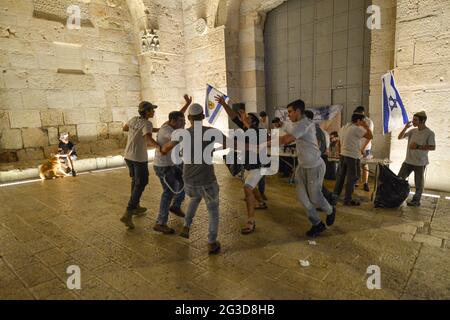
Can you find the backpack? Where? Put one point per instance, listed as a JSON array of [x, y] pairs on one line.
[[392, 190]]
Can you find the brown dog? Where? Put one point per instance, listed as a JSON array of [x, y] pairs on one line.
[[51, 169]]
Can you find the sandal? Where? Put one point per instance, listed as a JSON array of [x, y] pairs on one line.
[[262, 206], [251, 226]]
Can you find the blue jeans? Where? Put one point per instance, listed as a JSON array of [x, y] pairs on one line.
[[211, 195], [170, 178], [139, 179]]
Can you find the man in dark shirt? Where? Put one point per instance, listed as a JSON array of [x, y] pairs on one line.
[[67, 152]]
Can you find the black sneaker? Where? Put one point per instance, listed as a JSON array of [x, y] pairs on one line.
[[331, 217], [163, 228], [316, 230], [352, 203], [366, 187], [214, 248], [127, 219], [74, 173], [413, 203], [334, 199]]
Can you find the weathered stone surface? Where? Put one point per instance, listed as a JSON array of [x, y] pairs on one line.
[[51, 118], [30, 154], [4, 120], [25, 119], [115, 129], [11, 139], [34, 137], [87, 132], [53, 135], [102, 130]]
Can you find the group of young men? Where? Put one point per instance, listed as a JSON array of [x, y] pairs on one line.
[[198, 179]]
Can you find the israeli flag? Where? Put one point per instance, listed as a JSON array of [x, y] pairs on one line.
[[394, 112], [212, 107]]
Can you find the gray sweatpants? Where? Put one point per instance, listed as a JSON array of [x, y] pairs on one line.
[[309, 191]]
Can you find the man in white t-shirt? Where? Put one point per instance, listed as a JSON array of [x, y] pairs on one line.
[[421, 140], [311, 168], [366, 148], [139, 130], [350, 156]]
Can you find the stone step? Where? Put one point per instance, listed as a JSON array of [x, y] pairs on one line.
[[19, 171]]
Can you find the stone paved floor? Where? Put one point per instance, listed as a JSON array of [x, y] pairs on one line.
[[45, 227]]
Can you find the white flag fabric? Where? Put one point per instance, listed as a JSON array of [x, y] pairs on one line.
[[212, 107], [394, 112]]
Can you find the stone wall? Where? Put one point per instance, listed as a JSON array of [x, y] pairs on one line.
[[53, 79], [422, 72]]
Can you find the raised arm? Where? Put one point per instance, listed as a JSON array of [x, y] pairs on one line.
[[188, 100], [369, 134], [231, 113], [403, 133]]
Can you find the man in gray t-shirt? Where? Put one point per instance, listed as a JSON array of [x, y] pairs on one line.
[[420, 141], [169, 174], [311, 169], [136, 157]]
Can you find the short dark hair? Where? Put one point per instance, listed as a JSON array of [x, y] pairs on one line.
[[276, 120], [309, 114], [334, 133], [360, 109], [175, 115], [298, 105], [263, 114], [357, 116]]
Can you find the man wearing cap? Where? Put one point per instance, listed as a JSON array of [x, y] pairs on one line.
[[199, 178], [136, 157], [68, 152], [420, 141], [169, 174]]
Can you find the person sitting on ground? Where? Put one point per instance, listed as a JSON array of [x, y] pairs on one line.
[[67, 152]]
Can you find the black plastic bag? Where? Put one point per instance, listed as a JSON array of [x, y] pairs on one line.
[[392, 190]]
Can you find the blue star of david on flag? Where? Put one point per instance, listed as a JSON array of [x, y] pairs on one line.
[[394, 112]]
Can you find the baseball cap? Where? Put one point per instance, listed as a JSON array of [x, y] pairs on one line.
[[195, 109], [146, 106], [420, 114]]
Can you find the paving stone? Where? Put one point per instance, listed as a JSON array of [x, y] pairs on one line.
[[428, 240], [39, 243]]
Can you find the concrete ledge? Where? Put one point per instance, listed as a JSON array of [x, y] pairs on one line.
[[29, 170]]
